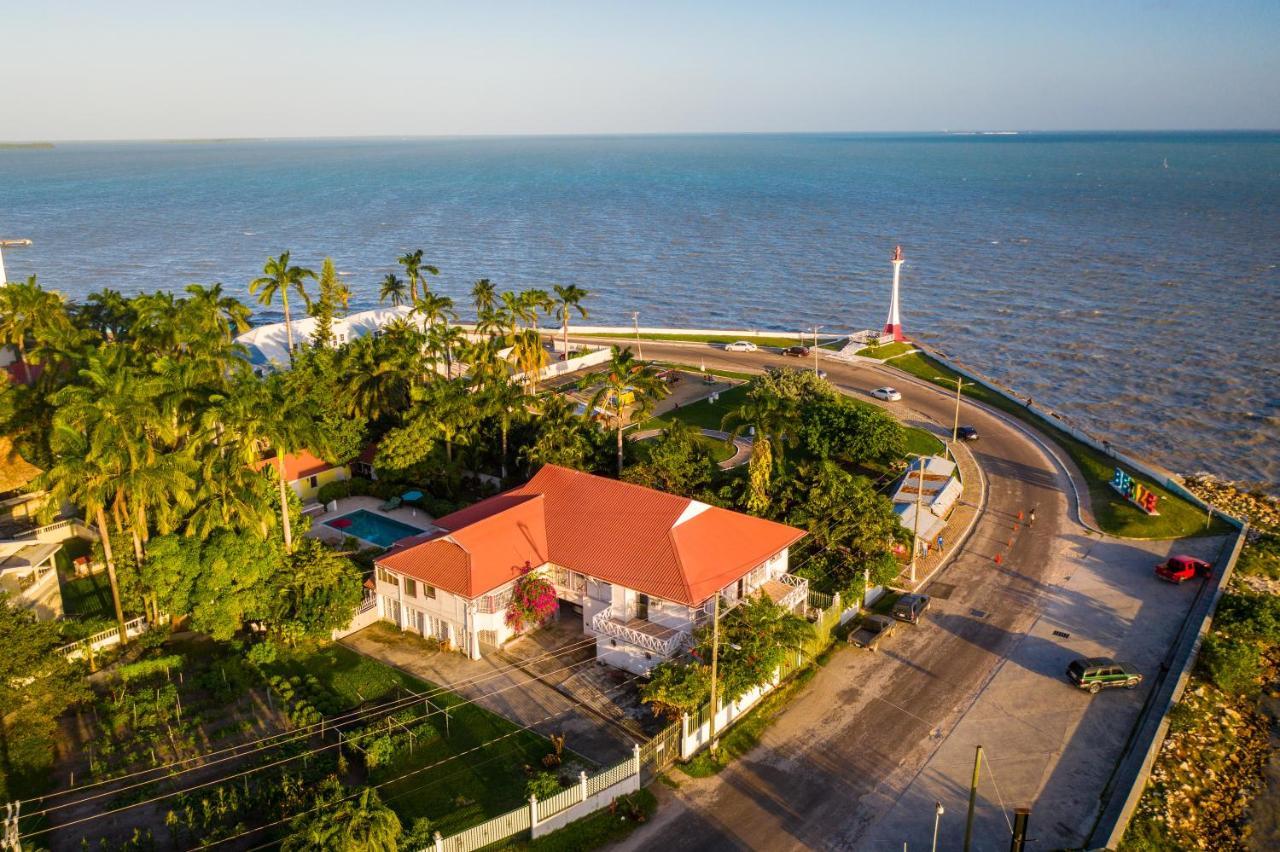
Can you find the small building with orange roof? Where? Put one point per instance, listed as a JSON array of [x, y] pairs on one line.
[[306, 473], [642, 566]]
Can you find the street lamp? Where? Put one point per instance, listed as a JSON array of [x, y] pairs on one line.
[[635, 322], [815, 330], [938, 811]]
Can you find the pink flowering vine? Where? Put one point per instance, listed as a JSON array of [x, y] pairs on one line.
[[533, 601]]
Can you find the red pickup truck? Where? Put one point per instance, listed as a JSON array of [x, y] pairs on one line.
[[1179, 569]]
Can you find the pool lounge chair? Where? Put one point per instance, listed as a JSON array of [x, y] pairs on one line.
[[393, 503]]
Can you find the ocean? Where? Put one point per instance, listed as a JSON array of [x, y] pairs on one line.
[[1130, 280]]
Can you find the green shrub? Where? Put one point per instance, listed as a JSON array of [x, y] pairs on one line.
[[1232, 665], [1261, 557], [1249, 616], [379, 751], [263, 654], [544, 785], [1181, 719]]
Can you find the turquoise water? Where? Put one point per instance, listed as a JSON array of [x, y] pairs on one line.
[[1131, 279], [374, 528]]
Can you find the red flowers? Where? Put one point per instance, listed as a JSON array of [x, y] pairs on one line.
[[533, 601]]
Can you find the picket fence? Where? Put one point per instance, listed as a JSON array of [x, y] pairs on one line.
[[107, 638], [590, 794]]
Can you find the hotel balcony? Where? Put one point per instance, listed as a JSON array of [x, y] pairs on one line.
[[640, 632]]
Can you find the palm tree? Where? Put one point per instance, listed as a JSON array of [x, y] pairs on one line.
[[414, 267], [86, 479], [491, 323], [504, 400], [279, 277], [568, 299], [446, 409], [377, 378], [359, 823], [623, 377], [536, 302], [445, 339], [393, 289], [434, 308], [769, 415], [484, 295], [514, 309], [226, 315], [530, 357], [26, 309]]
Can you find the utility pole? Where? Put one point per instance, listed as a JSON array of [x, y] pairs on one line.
[[1021, 819], [915, 531], [938, 811], [715, 660], [816, 329], [635, 323], [973, 799]]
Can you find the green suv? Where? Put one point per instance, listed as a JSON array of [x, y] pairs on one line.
[[1096, 673]]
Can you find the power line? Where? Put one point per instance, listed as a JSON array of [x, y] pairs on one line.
[[247, 749], [252, 770]]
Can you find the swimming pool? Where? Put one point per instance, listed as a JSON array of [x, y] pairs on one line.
[[372, 527]]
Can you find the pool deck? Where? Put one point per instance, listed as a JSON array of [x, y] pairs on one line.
[[405, 515]]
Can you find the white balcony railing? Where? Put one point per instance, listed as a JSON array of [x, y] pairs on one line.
[[663, 640], [799, 593]]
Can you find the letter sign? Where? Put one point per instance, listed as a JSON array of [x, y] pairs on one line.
[[1141, 496]]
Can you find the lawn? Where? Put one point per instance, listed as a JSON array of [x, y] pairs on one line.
[[704, 414], [922, 443], [1115, 514], [486, 755], [87, 597], [888, 350]]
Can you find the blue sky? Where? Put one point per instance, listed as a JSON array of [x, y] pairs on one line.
[[128, 70]]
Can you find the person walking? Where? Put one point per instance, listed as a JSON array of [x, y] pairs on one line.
[[1031, 518]]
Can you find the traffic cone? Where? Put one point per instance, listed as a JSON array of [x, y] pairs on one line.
[[1019, 516], [998, 559]]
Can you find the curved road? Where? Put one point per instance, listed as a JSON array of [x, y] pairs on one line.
[[840, 754]]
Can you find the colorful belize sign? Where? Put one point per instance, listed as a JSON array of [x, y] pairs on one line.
[[1142, 497]]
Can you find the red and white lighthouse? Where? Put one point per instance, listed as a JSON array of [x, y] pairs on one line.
[[893, 325]]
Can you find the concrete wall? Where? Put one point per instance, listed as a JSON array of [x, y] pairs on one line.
[[590, 805], [307, 492]]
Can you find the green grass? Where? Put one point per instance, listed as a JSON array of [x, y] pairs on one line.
[[704, 414], [594, 831], [745, 734], [781, 340], [1114, 514], [688, 368], [87, 597], [923, 443], [482, 782], [888, 350]]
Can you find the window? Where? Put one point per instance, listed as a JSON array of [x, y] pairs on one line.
[[313, 481], [410, 587], [386, 576], [428, 591]]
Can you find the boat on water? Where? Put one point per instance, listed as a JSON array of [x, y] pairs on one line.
[[14, 243]]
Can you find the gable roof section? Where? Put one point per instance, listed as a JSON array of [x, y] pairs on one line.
[[659, 544], [477, 549], [298, 465]]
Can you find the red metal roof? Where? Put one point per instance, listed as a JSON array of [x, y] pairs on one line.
[[297, 465], [660, 544]]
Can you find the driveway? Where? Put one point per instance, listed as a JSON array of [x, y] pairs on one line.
[[861, 754], [524, 682]]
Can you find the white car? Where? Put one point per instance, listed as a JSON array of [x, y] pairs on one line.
[[740, 346], [887, 394]]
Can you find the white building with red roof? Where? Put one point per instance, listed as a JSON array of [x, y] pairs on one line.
[[640, 565]]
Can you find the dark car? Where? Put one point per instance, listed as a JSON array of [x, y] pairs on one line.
[[796, 351], [669, 376], [1179, 569], [910, 608], [967, 433], [1098, 673]]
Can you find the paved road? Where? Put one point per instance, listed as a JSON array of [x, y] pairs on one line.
[[843, 754]]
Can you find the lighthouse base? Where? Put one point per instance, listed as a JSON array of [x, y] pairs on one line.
[[893, 332]]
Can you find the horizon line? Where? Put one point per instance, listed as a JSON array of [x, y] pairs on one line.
[[1005, 132]]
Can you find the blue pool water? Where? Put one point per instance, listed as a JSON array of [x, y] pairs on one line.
[[373, 528]]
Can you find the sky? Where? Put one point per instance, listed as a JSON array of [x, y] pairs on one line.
[[127, 69]]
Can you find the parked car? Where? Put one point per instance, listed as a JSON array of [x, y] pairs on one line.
[[967, 433], [887, 394], [669, 376], [1098, 673], [873, 630], [796, 351], [910, 608], [1179, 569], [740, 346]]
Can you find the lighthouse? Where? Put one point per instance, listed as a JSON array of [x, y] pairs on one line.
[[893, 325]]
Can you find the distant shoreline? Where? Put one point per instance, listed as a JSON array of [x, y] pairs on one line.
[[42, 146]]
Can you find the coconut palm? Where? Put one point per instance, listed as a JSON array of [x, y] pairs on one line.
[[444, 340], [514, 310], [216, 312], [414, 267], [624, 377], [434, 308], [278, 279], [567, 300], [530, 357], [491, 323], [505, 401], [393, 289], [484, 295], [26, 309], [378, 378], [536, 302], [484, 359], [359, 823]]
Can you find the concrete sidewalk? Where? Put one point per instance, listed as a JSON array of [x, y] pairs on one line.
[[520, 683]]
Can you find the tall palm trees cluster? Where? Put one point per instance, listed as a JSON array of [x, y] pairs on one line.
[[146, 416]]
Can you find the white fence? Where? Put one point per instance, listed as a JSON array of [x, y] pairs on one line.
[[107, 638], [540, 818], [366, 614], [58, 530], [571, 365]]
